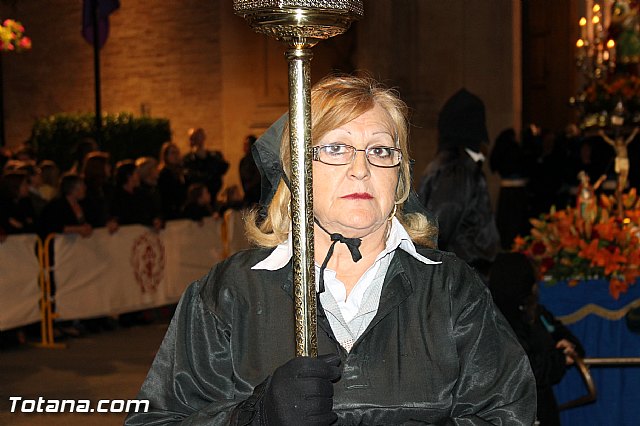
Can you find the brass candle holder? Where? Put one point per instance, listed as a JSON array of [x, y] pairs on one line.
[[301, 24]]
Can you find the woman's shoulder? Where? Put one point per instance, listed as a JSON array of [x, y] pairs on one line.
[[236, 271], [451, 272]]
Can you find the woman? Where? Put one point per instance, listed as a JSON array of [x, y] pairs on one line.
[[406, 333], [550, 346], [97, 176], [65, 214]]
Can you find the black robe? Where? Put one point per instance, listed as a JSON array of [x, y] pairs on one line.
[[437, 352], [454, 189], [547, 362]]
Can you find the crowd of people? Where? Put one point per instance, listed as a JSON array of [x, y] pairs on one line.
[[37, 197]]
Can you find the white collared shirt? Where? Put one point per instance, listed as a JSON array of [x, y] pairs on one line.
[[356, 310]]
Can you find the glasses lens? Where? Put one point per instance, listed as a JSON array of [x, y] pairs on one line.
[[336, 154], [384, 156]]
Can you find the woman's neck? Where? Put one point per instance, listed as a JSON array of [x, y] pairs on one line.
[[348, 271]]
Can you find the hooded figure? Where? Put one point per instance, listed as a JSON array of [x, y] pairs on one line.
[[454, 188]]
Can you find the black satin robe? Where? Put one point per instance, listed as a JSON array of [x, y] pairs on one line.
[[435, 353], [455, 190]]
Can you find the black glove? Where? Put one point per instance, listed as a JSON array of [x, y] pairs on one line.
[[301, 392]]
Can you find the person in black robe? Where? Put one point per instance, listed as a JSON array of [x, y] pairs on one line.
[[454, 187], [512, 214], [549, 345], [406, 334]]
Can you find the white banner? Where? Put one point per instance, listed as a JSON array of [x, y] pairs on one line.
[[132, 269], [192, 249], [19, 290]]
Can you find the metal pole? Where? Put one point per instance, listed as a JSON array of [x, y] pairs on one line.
[[301, 24], [302, 201], [613, 361], [96, 70]]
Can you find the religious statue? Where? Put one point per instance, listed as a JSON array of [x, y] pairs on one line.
[[586, 202], [621, 167]]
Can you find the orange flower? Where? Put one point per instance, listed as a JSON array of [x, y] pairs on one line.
[[616, 287], [519, 243], [606, 231]]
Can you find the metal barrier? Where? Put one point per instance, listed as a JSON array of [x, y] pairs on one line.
[[583, 367]]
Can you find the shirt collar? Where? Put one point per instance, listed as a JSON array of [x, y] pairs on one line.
[[398, 238], [475, 156]]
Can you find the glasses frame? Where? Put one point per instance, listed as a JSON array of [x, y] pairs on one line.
[[316, 154]]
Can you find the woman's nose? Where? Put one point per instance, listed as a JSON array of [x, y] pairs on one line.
[[359, 167]]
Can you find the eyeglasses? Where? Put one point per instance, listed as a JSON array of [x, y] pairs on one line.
[[341, 154]]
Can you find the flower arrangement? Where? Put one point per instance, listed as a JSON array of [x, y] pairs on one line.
[[12, 38], [567, 246]]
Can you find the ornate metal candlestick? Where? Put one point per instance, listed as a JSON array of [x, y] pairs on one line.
[[301, 24]]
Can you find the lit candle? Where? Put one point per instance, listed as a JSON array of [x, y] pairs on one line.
[[583, 27], [580, 54], [611, 45]]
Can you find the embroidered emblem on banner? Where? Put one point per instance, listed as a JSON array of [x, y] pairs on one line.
[[147, 260]]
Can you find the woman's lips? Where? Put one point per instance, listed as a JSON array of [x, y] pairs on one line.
[[358, 196]]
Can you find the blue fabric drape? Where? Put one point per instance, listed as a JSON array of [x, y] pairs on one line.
[[603, 333]]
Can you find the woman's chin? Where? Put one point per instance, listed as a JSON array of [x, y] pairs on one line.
[[361, 224]]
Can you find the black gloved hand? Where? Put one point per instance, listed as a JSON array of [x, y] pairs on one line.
[[301, 392]]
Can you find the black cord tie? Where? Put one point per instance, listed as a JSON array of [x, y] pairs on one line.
[[352, 244]]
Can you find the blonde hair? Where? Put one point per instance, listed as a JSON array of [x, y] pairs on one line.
[[335, 101]]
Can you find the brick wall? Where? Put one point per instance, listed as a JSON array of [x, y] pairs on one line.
[[197, 64], [165, 57]]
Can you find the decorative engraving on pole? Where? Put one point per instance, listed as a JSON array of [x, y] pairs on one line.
[[301, 24]]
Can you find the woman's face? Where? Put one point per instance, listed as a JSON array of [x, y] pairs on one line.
[[356, 199]]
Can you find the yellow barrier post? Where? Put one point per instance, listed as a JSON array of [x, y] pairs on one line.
[[46, 308]]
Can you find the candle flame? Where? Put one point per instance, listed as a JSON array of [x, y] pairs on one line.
[[580, 43], [595, 20], [596, 8], [611, 44], [583, 21]]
